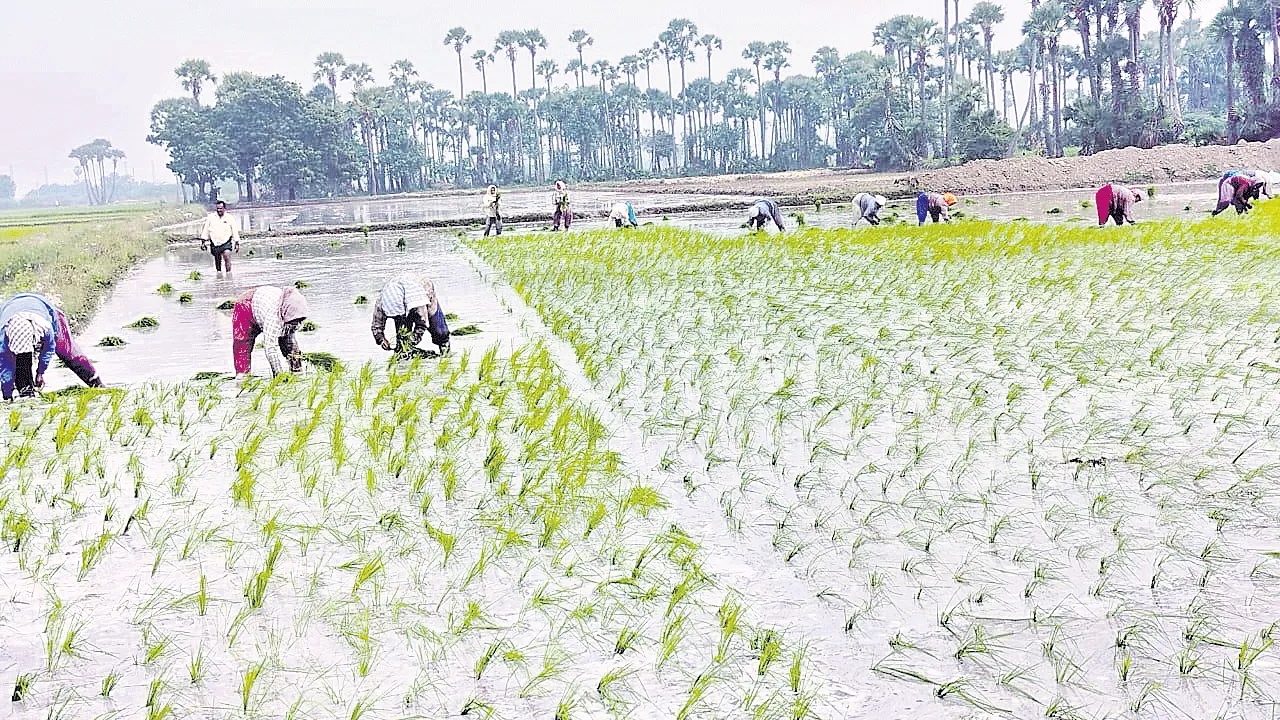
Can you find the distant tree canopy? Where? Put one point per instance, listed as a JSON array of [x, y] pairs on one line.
[[928, 95], [7, 187], [94, 159]]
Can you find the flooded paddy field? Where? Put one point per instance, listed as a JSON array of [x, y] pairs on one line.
[[982, 470]]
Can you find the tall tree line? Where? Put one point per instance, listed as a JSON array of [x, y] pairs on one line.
[[1082, 75]]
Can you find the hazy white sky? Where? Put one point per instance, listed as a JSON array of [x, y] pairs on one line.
[[74, 70]]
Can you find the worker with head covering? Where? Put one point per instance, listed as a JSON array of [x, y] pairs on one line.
[[1236, 189], [623, 214], [1115, 202], [761, 212], [274, 314], [869, 207], [560, 201], [410, 302], [493, 214], [33, 329], [934, 205]]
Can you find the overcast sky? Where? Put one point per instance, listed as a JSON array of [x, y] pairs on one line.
[[75, 70]]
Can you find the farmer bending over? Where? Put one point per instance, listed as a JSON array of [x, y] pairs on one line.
[[1236, 189], [869, 207], [274, 314], [411, 303], [934, 205], [1115, 202], [494, 221], [32, 330], [560, 200], [220, 236], [623, 215], [762, 212]]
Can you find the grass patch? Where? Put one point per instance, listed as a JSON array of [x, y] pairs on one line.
[[79, 257]]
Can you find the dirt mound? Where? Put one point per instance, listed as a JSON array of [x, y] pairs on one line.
[[1169, 163]]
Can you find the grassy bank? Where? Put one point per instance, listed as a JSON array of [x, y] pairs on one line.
[[78, 254]]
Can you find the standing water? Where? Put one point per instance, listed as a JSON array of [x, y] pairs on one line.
[[195, 337]]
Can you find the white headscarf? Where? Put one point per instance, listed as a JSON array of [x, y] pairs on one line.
[[24, 331]]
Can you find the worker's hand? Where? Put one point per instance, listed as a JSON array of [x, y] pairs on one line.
[[295, 363], [386, 344], [236, 247], [204, 246], [40, 381], [444, 349]]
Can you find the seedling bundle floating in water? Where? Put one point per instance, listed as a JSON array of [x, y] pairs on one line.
[[144, 323]]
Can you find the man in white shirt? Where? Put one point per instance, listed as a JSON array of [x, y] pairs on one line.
[[221, 236]]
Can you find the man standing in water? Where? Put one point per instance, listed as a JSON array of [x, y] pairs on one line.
[[221, 236]]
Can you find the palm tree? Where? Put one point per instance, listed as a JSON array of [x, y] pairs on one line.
[[1224, 28], [1168, 11], [482, 59], [581, 39], [576, 68], [360, 74], [756, 51], [401, 75], [683, 34], [509, 42], [774, 63], [710, 43], [918, 36], [532, 40], [458, 38], [647, 56], [548, 70], [986, 15], [194, 74], [1052, 23], [328, 65]]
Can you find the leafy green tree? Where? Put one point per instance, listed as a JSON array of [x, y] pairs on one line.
[[7, 188]]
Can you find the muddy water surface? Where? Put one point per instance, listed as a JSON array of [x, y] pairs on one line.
[[196, 337]]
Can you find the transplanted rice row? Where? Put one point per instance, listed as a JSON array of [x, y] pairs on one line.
[[1033, 468], [444, 537]]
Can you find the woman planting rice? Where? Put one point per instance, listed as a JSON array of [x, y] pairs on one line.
[[1236, 189], [34, 329], [934, 205], [411, 303], [275, 314], [869, 207], [762, 212], [623, 214], [1115, 202]]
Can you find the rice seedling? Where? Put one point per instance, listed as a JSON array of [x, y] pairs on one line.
[[195, 275], [186, 299], [144, 323], [465, 330], [109, 684], [226, 305], [301, 284], [22, 687], [308, 326], [362, 300], [164, 289]]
